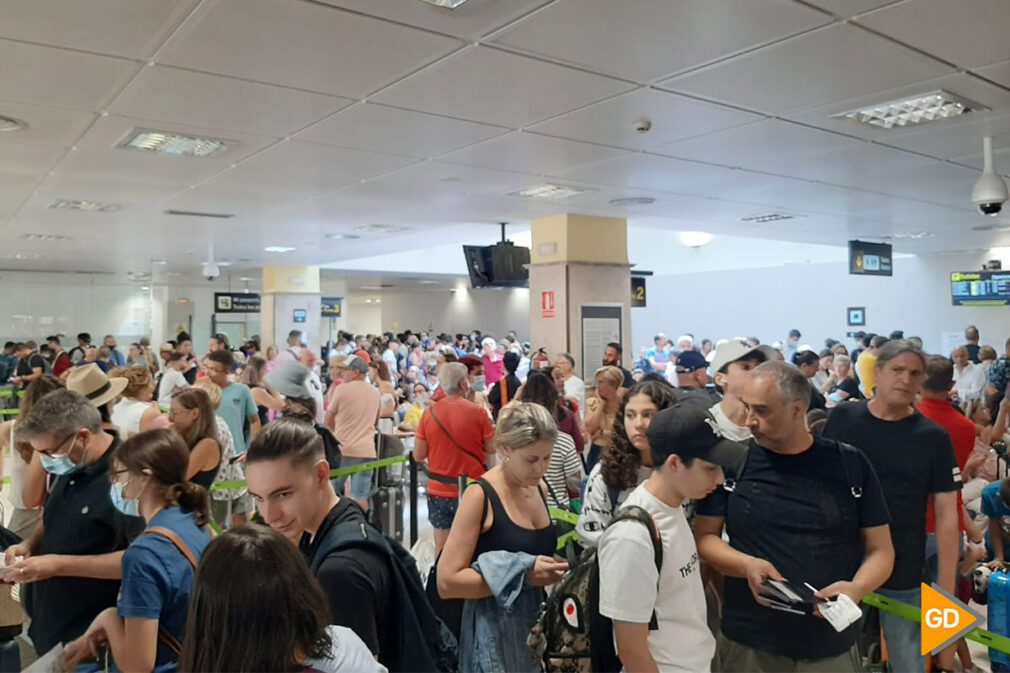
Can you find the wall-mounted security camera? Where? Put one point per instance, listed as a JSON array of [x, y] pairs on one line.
[[643, 125], [210, 271], [990, 191]]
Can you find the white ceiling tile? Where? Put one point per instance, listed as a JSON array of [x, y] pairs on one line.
[[303, 45], [15, 188], [673, 117], [998, 72], [471, 20], [645, 171], [1001, 156], [395, 131], [759, 143], [36, 74], [964, 85], [938, 183], [820, 67], [438, 176], [135, 193], [495, 87], [644, 40], [859, 166], [847, 8], [110, 164], [531, 153], [340, 164], [28, 159], [210, 101], [130, 28], [955, 141], [968, 34], [45, 125]]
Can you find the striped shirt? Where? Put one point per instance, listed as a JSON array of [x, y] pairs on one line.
[[565, 464]]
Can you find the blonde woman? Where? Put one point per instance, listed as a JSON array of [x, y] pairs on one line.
[[503, 522], [601, 411], [135, 412]]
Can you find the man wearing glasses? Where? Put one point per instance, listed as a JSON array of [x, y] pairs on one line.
[[72, 563]]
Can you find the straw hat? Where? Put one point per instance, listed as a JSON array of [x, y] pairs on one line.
[[91, 382]]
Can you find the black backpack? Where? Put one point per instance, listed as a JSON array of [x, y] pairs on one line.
[[425, 644], [570, 635]]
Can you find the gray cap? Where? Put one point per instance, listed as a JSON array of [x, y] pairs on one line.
[[289, 379]]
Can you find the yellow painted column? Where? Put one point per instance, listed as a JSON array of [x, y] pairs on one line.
[[580, 287], [290, 301]]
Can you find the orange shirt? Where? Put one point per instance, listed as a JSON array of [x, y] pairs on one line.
[[470, 426]]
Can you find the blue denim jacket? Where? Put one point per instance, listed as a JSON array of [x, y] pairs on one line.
[[494, 629]]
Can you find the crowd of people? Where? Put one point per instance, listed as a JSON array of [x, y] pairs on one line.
[[177, 512]]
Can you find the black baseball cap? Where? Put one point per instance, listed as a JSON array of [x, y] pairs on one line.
[[689, 430], [691, 361]]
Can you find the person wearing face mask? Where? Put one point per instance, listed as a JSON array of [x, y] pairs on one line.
[[422, 398], [477, 392], [145, 629], [71, 565]]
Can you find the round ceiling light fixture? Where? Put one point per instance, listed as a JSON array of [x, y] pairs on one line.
[[695, 239], [8, 124]]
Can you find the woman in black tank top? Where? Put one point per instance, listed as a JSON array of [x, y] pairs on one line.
[[503, 527]]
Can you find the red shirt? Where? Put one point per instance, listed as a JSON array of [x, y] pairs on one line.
[[61, 364], [469, 426], [962, 435]]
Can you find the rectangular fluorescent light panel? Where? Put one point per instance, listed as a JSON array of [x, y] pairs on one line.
[[174, 144], [87, 206], [380, 229], [448, 4], [767, 217], [549, 192], [277, 248], [921, 109], [44, 238]]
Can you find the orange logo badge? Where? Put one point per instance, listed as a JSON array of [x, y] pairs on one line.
[[944, 619]]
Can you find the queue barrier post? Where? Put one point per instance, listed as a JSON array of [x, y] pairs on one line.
[[413, 499]]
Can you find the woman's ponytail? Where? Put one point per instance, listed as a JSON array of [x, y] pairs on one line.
[[192, 498]]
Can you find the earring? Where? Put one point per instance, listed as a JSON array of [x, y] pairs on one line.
[[506, 459]]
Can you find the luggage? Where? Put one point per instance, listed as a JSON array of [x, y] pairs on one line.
[[999, 617], [385, 511]]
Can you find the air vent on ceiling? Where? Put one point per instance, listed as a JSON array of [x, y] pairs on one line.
[[764, 218], [86, 206], [379, 229], [383, 286], [43, 238], [549, 192], [172, 144], [914, 110], [909, 236], [196, 213], [633, 201]]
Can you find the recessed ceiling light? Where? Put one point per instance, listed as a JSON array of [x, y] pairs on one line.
[[428, 282], [145, 287], [382, 286], [173, 144], [86, 206], [246, 279], [447, 4], [159, 262], [549, 192], [22, 255], [380, 229], [695, 239], [992, 227], [277, 248], [46, 238], [921, 109], [229, 263], [9, 124], [910, 235], [633, 201], [338, 237], [767, 217]]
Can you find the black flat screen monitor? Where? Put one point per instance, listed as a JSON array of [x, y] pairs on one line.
[[980, 288], [499, 265]]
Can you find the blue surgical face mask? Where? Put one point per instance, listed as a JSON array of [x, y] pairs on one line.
[[60, 465], [128, 506], [479, 384]]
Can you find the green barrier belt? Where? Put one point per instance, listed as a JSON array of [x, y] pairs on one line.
[[563, 540], [9, 412], [340, 472], [911, 613], [563, 515]]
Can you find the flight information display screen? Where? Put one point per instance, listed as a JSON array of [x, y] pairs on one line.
[[980, 288]]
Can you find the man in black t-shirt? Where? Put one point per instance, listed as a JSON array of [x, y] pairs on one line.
[[31, 365], [612, 357], [914, 459], [801, 508], [289, 479], [971, 338]]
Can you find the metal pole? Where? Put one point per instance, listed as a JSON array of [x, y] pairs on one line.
[[413, 500]]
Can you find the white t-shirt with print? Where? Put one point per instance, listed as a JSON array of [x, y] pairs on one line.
[[730, 430], [630, 589], [171, 380]]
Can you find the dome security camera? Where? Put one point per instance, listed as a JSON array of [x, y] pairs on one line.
[[990, 190], [211, 271]]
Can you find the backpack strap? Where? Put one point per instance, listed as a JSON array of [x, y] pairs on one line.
[[642, 516], [170, 642], [614, 494], [732, 475], [852, 467]]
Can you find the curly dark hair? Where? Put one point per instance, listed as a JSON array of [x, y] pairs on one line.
[[620, 460]]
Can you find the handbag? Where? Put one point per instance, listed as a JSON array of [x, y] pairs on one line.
[[450, 610]]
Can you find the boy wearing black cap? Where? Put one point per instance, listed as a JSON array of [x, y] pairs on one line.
[[688, 450], [690, 371]]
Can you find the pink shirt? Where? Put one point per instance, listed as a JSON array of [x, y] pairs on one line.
[[353, 412]]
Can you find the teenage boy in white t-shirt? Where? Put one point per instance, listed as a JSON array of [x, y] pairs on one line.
[[172, 378], [688, 450]]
